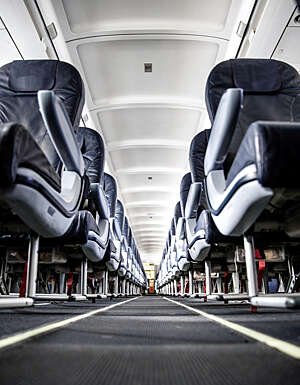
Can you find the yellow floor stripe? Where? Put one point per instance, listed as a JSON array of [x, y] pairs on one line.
[[283, 346], [23, 336]]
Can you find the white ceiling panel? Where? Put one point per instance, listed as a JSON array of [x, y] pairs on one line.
[[175, 62], [285, 50], [127, 124], [147, 158], [144, 195], [84, 18], [128, 181], [141, 213]]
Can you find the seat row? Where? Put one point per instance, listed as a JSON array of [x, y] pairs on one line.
[[236, 231], [63, 231]]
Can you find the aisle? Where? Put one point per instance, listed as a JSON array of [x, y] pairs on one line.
[[148, 340]]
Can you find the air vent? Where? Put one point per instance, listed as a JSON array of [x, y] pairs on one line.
[[52, 31], [148, 67], [149, 177], [241, 29]]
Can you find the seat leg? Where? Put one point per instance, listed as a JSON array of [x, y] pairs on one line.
[[182, 285], [236, 282], [191, 288], [175, 287], [62, 285], [219, 284], [83, 277], [250, 265], [105, 282], [33, 257], [208, 277], [124, 287], [116, 285]]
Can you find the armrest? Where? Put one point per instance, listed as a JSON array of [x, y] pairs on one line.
[[180, 229], [116, 228], [193, 200], [223, 129], [124, 242], [99, 199], [60, 131]]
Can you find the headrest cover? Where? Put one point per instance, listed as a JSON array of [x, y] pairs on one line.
[[177, 212], [173, 229], [259, 76], [29, 76], [184, 189], [92, 148], [126, 228], [120, 214], [197, 155], [110, 188], [132, 244], [254, 76], [129, 237]]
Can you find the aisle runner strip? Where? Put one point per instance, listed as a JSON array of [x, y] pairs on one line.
[[23, 336], [283, 346]]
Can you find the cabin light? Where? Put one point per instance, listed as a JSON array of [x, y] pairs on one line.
[[148, 67]]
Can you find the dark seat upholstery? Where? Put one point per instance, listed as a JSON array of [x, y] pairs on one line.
[[19, 83], [271, 93], [197, 154], [30, 166], [119, 216], [177, 212], [84, 230], [92, 148], [273, 154], [110, 188], [265, 140], [184, 190], [119, 227]]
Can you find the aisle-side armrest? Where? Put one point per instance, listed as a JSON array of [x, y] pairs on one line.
[[223, 129], [193, 200], [180, 229], [60, 131], [99, 199]]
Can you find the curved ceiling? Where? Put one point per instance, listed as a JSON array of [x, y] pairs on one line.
[[147, 119]]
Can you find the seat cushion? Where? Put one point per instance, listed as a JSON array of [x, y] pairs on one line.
[[19, 83], [19, 149], [212, 234], [78, 232], [273, 147], [271, 93]]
